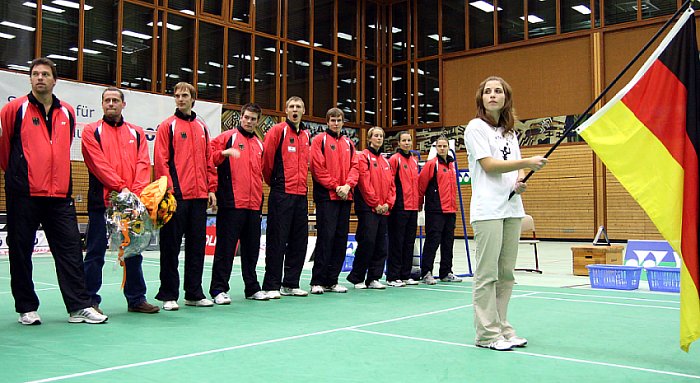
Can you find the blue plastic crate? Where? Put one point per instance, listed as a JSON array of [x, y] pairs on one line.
[[614, 276], [347, 264], [666, 279]]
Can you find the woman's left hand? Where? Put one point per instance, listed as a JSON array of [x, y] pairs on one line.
[[520, 186]]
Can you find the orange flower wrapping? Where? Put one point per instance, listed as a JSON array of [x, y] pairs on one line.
[[160, 203]]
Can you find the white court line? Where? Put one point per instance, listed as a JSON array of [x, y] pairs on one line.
[[608, 303], [545, 356], [56, 288], [35, 282]]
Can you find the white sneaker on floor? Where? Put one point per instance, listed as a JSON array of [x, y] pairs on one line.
[[294, 292], [87, 315], [29, 318], [360, 285], [316, 289], [273, 294], [375, 284], [411, 282], [336, 289], [222, 299], [170, 306], [204, 302], [517, 341], [258, 296], [451, 278], [396, 283], [429, 280], [497, 345]]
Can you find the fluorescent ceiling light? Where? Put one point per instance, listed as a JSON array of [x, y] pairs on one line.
[[436, 37], [187, 12], [86, 50], [301, 63], [484, 6], [70, 4], [368, 112], [104, 42], [326, 63], [173, 27], [347, 80], [44, 7], [61, 57], [6, 36], [270, 73], [532, 19], [272, 49], [136, 35], [18, 67], [214, 64], [582, 9], [344, 36], [395, 30], [186, 70], [436, 89], [18, 26]]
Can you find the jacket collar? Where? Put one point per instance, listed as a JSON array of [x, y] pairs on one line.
[[182, 116], [113, 123], [373, 151], [404, 154], [245, 133], [334, 134]]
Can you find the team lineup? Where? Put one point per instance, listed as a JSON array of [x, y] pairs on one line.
[[226, 174]]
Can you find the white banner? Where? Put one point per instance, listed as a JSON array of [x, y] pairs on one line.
[[143, 109], [41, 245]]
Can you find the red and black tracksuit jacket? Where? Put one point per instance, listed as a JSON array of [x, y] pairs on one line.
[[333, 164], [240, 179], [438, 184], [183, 155], [376, 183], [116, 155], [286, 158], [35, 147], [405, 169]]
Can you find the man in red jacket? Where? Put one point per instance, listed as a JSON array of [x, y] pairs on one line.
[[335, 173], [35, 155], [237, 153], [116, 155], [182, 154], [285, 169]]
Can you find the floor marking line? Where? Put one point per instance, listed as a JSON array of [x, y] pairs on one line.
[[545, 356], [606, 303]]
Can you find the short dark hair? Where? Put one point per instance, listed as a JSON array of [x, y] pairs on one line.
[[334, 112], [43, 61], [253, 108], [113, 89]]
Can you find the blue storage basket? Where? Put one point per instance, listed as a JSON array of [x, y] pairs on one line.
[[666, 279], [347, 264], [614, 276]]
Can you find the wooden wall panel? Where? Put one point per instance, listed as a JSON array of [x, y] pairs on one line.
[[551, 79]]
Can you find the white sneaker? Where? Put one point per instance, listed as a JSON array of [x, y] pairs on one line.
[[375, 284], [316, 289], [411, 282], [360, 285], [336, 289], [396, 283], [498, 345], [258, 296], [451, 278], [429, 280], [87, 315], [295, 292], [204, 302], [517, 341], [29, 318], [273, 294], [222, 299], [170, 306]]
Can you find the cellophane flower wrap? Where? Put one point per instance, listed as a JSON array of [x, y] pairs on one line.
[[129, 223]]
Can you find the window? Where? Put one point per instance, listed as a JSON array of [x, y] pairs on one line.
[[17, 34], [370, 103], [323, 24], [210, 66], [266, 16], [371, 32], [399, 34], [180, 49], [541, 18], [212, 7], [137, 52], [239, 62], [241, 11], [428, 91], [298, 23], [399, 95], [347, 88], [100, 43], [347, 27], [323, 83], [297, 72], [185, 6], [266, 72], [658, 8], [428, 37], [481, 23], [59, 38], [452, 25], [575, 15], [511, 22], [620, 11]]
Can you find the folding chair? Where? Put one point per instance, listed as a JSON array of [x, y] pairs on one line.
[[527, 227]]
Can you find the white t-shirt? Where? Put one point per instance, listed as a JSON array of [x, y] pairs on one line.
[[490, 191]]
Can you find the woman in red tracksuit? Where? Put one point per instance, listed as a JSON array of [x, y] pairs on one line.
[[437, 183], [403, 217], [374, 197]]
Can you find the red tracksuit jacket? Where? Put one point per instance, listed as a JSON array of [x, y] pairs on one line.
[[182, 154], [240, 179], [404, 167], [376, 184], [116, 156], [333, 164], [438, 184], [35, 147], [286, 158]]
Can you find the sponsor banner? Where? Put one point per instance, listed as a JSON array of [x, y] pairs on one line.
[[143, 109], [41, 245]]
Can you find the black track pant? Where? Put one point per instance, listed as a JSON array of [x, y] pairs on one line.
[[333, 224], [371, 248], [402, 236], [440, 231]]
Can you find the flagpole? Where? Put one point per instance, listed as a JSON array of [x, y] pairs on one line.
[[580, 118]]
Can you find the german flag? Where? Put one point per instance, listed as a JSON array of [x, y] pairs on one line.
[[648, 135]]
